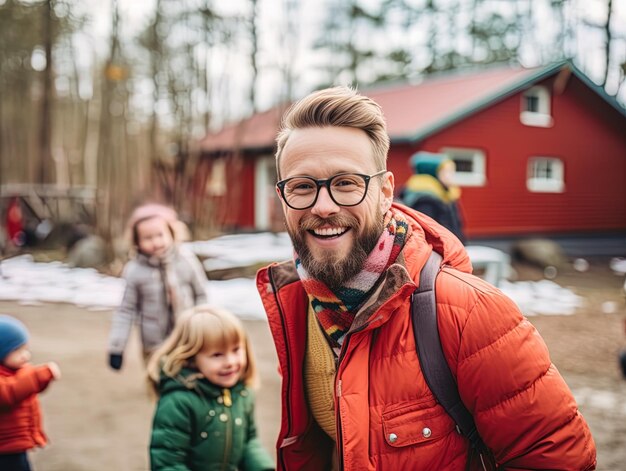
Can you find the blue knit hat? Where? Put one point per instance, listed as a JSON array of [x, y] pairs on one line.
[[13, 335], [427, 163]]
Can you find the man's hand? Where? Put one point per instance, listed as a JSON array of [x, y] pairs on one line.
[[115, 360]]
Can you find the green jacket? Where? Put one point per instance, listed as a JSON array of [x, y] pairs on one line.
[[197, 427]]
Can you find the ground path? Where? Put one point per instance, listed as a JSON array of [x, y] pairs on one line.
[[98, 419]]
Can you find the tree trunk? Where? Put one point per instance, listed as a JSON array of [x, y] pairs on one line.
[[607, 46], [45, 157], [155, 44], [255, 47]]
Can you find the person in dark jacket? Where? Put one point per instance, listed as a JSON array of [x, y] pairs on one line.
[[204, 374], [431, 191]]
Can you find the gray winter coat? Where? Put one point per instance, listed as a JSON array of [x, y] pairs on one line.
[[146, 300]]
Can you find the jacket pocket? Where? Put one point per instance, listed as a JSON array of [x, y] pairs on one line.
[[413, 424]]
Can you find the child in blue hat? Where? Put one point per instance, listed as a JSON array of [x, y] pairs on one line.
[[20, 382]]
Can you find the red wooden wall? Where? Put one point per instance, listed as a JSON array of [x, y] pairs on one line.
[[586, 136], [235, 209]]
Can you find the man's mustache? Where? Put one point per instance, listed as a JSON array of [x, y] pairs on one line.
[[315, 222]]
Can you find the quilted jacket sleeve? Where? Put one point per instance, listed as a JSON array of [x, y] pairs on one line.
[[195, 275], [255, 457], [198, 280], [170, 442], [24, 383], [125, 315], [522, 407]]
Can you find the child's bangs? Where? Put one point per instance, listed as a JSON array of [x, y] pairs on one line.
[[221, 332]]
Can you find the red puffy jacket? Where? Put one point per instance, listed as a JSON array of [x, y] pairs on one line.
[[387, 418], [20, 415]]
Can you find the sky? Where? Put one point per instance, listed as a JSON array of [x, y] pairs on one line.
[[24, 281], [136, 14]]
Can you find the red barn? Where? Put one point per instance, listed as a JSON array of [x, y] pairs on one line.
[[538, 151]]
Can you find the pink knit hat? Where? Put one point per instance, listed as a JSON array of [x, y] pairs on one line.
[[148, 211]]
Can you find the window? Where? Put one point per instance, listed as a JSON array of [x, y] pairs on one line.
[[532, 103], [545, 175], [536, 107], [267, 207], [216, 183], [470, 166]]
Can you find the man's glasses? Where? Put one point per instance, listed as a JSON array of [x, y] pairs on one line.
[[345, 189]]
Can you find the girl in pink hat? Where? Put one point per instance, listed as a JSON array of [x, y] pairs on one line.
[[162, 280]]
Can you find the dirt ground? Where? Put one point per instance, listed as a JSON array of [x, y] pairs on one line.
[[98, 419]]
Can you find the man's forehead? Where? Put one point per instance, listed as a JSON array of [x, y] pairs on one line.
[[323, 166], [327, 151]]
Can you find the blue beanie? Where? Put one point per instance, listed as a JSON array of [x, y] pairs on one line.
[[13, 335], [427, 163]]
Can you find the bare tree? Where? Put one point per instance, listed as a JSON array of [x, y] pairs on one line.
[[254, 43], [608, 43], [346, 37], [113, 170], [155, 46], [45, 130]]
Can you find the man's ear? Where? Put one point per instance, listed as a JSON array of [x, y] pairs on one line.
[[282, 202], [387, 189]]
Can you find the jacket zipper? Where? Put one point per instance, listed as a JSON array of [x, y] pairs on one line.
[[344, 348], [229, 429], [228, 401], [279, 453], [337, 411]]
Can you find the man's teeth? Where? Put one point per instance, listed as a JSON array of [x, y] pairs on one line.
[[326, 232]]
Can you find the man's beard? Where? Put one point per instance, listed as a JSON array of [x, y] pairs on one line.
[[329, 268]]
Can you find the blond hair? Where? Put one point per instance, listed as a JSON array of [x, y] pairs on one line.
[[337, 106], [197, 329]]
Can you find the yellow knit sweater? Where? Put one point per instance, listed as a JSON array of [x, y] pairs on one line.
[[319, 376]]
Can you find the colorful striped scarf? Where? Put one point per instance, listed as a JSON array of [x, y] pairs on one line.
[[336, 309]]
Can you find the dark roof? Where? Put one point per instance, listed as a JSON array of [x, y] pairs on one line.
[[415, 111]]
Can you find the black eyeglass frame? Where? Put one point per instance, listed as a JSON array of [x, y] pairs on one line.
[[326, 182]]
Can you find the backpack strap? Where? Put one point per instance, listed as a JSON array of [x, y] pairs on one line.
[[432, 360]]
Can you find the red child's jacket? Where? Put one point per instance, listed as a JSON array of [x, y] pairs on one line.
[[20, 415]]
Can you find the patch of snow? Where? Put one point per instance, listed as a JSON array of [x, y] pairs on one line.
[[242, 250], [24, 281], [542, 297], [27, 282], [618, 265], [239, 296]]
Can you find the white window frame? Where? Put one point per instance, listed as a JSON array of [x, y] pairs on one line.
[[264, 190], [541, 184], [478, 176], [217, 181], [542, 117]]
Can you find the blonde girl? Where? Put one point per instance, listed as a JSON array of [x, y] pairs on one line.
[[204, 373]]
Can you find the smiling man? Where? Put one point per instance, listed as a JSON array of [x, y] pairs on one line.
[[353, 393], [323, 235]]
